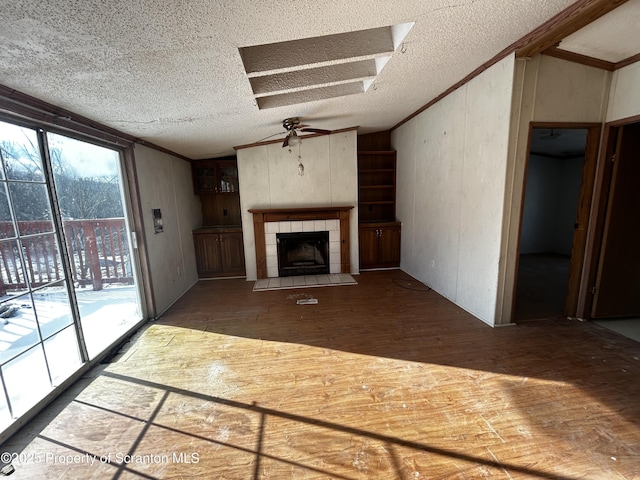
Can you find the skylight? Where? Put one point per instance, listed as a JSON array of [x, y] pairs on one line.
[[316, 68]]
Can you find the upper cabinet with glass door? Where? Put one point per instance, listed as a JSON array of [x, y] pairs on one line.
[[215, 176]]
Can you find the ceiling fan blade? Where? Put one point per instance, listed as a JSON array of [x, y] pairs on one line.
[[267, 138], [286, 141], [316, 130], [298, 127]]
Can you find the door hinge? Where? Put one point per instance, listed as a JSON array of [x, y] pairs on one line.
[[134, 240], [613, 158], [593, 290]]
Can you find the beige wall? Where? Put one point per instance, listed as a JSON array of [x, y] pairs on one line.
[[451, 179], [624, 100], [268, 176], [546, 89], [165, 182], [562, 91]]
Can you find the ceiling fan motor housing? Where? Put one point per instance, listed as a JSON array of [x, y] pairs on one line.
[[291, 123]]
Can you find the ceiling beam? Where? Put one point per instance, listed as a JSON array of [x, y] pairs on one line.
[[564, 24], [578, 58]]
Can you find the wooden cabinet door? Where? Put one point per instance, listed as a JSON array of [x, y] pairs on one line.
[[379, 245], [207, 253], [227, 177], [232, 252], [369, 245], [205, 179], [215, 176], [389, 247]]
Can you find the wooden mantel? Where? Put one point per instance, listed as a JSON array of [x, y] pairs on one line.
[[263, 215]]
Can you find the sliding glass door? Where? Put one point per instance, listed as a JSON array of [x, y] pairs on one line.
[[67, 271], [89, 194]]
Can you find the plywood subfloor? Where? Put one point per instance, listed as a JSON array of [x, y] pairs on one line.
[[380, 380]]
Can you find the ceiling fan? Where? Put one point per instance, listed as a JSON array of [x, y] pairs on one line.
[[553, 134], [292, 126]]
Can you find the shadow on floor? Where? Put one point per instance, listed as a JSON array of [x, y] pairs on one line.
[[542, 286]]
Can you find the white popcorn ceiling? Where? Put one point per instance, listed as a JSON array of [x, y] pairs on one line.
[[171, 73]]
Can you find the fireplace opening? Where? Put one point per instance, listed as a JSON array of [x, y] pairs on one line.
[[303, 253]]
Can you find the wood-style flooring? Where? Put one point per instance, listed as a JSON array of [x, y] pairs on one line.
[[380, 380], [542, 286]]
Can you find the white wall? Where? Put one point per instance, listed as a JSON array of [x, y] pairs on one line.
[[624, 100], [165, 182], [564, 91], [451, 180], [268, 177]]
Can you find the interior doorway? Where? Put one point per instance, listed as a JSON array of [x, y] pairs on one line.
[[553, 221], [616, 290]]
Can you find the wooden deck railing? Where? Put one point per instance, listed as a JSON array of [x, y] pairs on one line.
[[98, 251]]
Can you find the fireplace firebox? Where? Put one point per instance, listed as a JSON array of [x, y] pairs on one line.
[[303, 253]]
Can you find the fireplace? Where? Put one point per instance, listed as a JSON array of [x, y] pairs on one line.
[[268, 222], [303, 253]]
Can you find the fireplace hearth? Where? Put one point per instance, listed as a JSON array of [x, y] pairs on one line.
[[303, 253]]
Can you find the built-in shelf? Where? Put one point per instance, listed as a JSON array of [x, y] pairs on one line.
[[378, 232], [218, 244], [376, 186]]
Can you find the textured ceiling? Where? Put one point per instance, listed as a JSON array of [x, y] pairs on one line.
[[171, 72]]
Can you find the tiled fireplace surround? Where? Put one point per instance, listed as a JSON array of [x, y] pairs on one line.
[[269, 222], [273, 228]]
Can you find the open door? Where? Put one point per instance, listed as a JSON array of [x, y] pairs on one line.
[[556, 204], [617, 289]]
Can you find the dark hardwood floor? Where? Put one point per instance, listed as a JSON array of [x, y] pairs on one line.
[[380, 380], [542, 285]]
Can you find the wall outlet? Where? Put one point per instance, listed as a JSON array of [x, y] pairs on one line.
[[179, 271]]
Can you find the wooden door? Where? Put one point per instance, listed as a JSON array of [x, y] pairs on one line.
[[583, 217], [617, 291]]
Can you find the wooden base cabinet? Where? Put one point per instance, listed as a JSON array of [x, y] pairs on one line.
[[379, 245], [219, 252]]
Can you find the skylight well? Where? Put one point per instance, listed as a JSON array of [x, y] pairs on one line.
[[316, 68]]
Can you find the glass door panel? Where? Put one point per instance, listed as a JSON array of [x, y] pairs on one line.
[[63, 355], [52, 307], [6, 221], [42, 257], [19, 328], [5, 414], [27, 379], [89, 190], [39, 346], [67, 276], [12, 277], [20, 154], [31, 207]]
